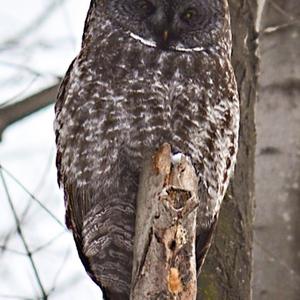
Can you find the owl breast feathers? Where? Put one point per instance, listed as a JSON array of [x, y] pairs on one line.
[[149, 72]]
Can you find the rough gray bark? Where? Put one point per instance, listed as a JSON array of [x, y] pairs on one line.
[[228, 267], [164, 251], [277, 223]]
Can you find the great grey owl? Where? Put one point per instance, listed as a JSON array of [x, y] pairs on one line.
[[149, 72]]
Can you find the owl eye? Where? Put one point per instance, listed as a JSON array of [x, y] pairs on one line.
[[189, 15], [146, 7]]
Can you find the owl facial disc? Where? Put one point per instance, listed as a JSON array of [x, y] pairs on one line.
[[153, 44]]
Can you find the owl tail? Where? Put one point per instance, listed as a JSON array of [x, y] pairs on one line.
[[103, 229], [108, 294]]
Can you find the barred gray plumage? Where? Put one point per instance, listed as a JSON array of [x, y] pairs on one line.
[[135, 85]]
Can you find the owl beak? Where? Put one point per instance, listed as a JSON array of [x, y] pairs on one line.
[[165, 35]]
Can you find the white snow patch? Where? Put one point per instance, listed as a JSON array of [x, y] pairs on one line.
[[176, 158]]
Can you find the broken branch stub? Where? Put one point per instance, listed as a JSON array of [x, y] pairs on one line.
[[164, 265]]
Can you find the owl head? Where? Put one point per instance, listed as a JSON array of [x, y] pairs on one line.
[[172, 24]]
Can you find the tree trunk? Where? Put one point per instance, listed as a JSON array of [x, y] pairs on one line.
[[277, 223], [228, 267]]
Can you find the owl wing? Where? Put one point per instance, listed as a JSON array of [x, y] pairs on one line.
[[102, 221], [57, 125], [77, 203], [74, 215]]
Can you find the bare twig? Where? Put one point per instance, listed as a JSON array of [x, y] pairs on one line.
[[3, 169], [19, 93], [51, 241], [65, 258], [4, 296], [278, 260], [281, 10], [70, 281], [4, 248], [291, 20], [22, 237], [11, 42], [22, 67]]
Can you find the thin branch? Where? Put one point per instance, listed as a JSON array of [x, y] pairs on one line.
[[11, 42], [45, 173], [66, 285], [20, 93], [19, 110], [291, 20], [4, 296], [59, 271], [28, 206], [51, 241], [278, 259], [20, 232], [4, 248], [32, 196], [273, 29], [279, 9], [67, 21], [21, 67]]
